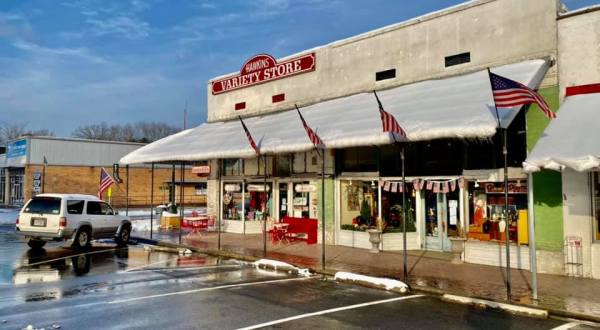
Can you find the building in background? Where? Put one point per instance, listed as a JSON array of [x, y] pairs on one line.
[[34, 164]]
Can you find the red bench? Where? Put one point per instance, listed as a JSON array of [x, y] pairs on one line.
[[302, 226]]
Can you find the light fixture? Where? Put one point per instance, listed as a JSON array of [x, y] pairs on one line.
[[372, 183], [350, 183], [518, 183], [476, 184]]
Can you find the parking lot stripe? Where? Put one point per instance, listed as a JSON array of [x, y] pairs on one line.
[[71, 256], [328, 311], [566, 326], [208, 289], [148, 265]]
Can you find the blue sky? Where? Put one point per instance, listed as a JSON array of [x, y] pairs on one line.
[[64, 63]]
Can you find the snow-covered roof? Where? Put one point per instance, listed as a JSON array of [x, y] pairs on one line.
[[454, 107], [571, 140]]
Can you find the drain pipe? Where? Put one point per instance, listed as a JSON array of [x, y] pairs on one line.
[[531, 225]]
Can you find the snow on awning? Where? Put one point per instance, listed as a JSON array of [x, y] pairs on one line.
[[571, 140], [454, 107]]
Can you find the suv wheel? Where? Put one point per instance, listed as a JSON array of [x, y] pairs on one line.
[[36, 243], [82, 239], [123, 236]]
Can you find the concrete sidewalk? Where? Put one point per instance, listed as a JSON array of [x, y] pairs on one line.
[[428, 271]]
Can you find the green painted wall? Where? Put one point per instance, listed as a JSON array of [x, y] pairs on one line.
[[329, 208], [547, 184]]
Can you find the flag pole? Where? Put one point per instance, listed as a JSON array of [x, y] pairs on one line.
[[506, 217]]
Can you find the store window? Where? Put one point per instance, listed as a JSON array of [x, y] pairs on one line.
[[359, 204], [391, 209], [596, 201], [283, 166], [200, 188], [233, 201], [357, 160], [233, 167], [486, 209], [257, 201], [304, 200]]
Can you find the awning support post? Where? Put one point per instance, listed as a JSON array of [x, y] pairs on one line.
[[404, 252], [531, 225], [264, 215], [127, 190], [219, 205], [506, 215], [322, 208], [151, 198], [181, 198]]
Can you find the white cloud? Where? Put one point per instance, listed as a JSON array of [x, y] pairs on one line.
[[128, 27], [82, 53]]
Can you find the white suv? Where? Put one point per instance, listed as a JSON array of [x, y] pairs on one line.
[[78, 218]]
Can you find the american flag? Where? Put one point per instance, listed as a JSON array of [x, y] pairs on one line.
[[312, 136], [509, 93], [249, 136], [105, 181], [389, 123]]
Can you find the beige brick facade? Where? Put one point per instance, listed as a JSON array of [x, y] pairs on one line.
[[85, 180]]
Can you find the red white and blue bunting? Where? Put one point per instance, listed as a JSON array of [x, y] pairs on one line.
[[437, 186]]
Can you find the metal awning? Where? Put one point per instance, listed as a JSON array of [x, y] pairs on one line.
[[454, 107], [571, 140]]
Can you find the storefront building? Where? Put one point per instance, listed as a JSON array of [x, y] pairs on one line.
[[569, 147], [431, 74], [34, 164]]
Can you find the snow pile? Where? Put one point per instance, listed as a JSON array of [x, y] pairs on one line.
[[8, 216], [144, 225], [280, 265], [387, 283]]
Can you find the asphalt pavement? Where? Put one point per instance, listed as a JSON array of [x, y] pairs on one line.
[[138, 287]]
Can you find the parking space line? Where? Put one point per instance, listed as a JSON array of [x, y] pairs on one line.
[[148, 265], [209, 289], [145, 269], [329, 311], [566, 326], [71, 256]]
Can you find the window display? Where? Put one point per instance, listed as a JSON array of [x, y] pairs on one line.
[[359, 204], [391, 209], [232, 200], [488, 221], [257, 201]]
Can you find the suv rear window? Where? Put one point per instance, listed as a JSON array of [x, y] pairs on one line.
[[75, 207], [43, 205]]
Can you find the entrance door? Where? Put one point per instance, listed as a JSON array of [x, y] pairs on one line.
[[283, 200], [436, 227], [16, 191]]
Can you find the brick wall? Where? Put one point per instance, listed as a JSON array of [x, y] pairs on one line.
[[85, 180]]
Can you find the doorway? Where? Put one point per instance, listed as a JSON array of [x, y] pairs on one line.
[[441, 218]]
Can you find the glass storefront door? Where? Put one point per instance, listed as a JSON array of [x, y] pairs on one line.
[[441, 219], [16, 187]]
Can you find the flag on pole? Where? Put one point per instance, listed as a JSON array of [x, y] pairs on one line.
[[509, 93], [388, 122], [312, 136], [249, 136], [105, 181]]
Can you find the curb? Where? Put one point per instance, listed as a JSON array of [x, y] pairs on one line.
[[513, 309], [422, 289]]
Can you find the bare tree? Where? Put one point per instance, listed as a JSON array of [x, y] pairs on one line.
[[136, 132], [13, 130]]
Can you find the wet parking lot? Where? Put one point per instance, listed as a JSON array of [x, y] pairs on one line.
[[138, 287]]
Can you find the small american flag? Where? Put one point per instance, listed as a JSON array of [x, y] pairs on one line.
[[509, 93], [249, 136], [105, 181], [312, 136], [389, 123]]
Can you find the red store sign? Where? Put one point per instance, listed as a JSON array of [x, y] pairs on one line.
[[263, 68], [201, 170]]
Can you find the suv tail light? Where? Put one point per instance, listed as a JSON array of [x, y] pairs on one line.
[[17, 221], [62, 222]]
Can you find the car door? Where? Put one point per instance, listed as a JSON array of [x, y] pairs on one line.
[[96, 218], [112, 221]]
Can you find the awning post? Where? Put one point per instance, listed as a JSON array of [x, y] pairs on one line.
[[531, 225], [127, 190], [181, 197], [265, 208], [151, 198]]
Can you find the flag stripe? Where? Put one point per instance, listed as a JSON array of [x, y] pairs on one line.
[[508, 93], [249, 136], [105, 182]]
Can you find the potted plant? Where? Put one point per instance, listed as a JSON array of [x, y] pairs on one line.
[[457, 245], [374, 232]]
